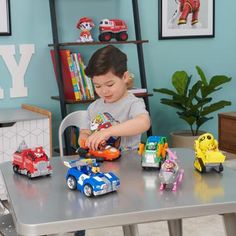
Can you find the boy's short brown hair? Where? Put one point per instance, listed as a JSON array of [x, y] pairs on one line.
[[108, 58]]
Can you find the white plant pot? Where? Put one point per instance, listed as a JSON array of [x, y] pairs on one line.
[[184, 138]]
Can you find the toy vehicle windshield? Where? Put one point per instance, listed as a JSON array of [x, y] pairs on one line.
[[151, 146]]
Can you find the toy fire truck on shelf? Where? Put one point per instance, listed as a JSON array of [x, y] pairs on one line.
[[113, 28], [31, 162]]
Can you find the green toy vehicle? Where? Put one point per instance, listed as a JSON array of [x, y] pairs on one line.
[[153, 152]]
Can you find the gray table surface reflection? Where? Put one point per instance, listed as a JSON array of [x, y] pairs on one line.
[[46, 205]]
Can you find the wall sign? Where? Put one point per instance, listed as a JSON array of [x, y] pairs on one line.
[[17, 69], [5, 18]]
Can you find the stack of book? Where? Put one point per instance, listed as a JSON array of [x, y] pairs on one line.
[[77, 86]]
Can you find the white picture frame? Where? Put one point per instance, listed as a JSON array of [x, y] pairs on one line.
[[175, 23], [5, 19]]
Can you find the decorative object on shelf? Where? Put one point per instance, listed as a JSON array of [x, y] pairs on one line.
[[85, 176], [207, 154], [186, 19], [170, 174], [153, 152], [5, 18], [113, 28], [194, 103], [31, 162], [85, 24]]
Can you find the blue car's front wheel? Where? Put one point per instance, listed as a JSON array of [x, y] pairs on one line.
[[71, 182], [88, 191]]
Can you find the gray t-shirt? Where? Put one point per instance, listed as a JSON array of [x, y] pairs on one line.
[[122, 110]]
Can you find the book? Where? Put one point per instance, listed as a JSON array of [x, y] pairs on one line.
[[66, 73], [137, 90], [79, 76]]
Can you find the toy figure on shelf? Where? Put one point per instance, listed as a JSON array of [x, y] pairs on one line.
[[31, 162], [113, 28], [207, 154], [153, 152], [85, 176], [170, 173], [85, 24]]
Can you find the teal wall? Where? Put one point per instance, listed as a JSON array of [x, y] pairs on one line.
[[31, 25]]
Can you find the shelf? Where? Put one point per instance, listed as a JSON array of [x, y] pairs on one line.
[[70, 101], [98, 43]]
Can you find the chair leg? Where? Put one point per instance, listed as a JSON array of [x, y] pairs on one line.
[[175, 227]]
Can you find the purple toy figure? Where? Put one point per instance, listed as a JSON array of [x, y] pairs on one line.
[[170, 173]]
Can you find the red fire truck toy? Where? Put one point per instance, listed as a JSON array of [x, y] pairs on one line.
[[113, 28], [30, 162]]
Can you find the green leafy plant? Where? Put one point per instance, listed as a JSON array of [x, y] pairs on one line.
[[194, 104]]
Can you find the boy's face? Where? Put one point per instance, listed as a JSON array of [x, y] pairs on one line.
[[110, 87]]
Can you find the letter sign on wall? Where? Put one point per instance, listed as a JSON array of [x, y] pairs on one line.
[[17, 71]]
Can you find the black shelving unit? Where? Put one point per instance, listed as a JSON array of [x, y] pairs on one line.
[[57, 45]]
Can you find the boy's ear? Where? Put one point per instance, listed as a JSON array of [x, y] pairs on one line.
[[128, 79]]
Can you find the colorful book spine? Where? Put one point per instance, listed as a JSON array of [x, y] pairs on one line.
[[80, 79], [73, 78], [81, 65], [66, 75]]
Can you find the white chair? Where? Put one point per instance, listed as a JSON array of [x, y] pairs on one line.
[[73, 119]]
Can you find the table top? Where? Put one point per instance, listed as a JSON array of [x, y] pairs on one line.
[[8, 115], [45, 205]]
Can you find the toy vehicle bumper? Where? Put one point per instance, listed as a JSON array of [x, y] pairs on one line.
[[153, 164], [107, 190], [41, 173]]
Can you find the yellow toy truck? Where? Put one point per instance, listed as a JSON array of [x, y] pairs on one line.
[[207, 154]]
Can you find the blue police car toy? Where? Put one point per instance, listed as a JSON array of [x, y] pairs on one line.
[[85, 176]]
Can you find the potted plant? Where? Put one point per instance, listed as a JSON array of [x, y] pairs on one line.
[[193, 101]]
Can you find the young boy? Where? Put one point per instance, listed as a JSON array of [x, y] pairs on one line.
[[108, 70]]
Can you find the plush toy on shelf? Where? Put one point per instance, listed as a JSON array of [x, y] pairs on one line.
[[85, 24]]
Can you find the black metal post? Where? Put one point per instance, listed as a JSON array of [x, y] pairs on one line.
[[140, 54], [58, 67]]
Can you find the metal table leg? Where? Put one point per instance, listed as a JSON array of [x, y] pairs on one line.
[[230, 223], [130, 230], [175, 227]]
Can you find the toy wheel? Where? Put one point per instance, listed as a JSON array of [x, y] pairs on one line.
[[122, 36], [71, 182], [221, 168], [29, 175], [105, 37], [15, 168], [88, 191], [82, 152]]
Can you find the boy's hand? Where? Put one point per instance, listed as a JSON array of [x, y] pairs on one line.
[[96, 138]]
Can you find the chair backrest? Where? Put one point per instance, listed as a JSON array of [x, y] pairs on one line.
[[73, 119]]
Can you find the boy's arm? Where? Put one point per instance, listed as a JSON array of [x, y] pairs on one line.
[[83, 135], [132, 127]]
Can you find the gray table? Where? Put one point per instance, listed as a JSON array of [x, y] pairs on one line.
[[45, 205]]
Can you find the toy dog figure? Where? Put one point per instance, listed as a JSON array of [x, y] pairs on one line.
[[85, 24], [186, 7], [170, 173], [207, 154]]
